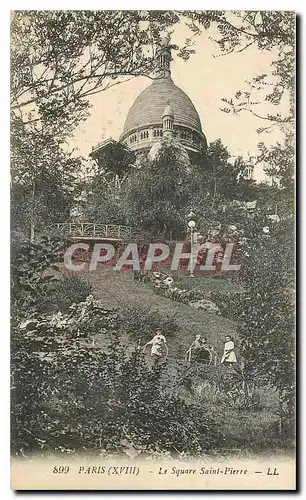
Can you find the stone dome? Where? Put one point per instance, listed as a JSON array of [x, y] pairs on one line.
[[149, 107], [161, 110]]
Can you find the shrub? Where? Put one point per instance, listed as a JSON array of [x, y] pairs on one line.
[[71, 397], [67, 291], [48, 332], [229, 303], [92, 317], [142, 322], [30, 285]]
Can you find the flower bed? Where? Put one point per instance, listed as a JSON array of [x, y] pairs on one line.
[[166, 286]]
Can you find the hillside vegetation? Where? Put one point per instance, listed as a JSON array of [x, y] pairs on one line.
[[120, 290]]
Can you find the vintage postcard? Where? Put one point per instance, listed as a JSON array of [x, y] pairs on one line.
[[152, 250]]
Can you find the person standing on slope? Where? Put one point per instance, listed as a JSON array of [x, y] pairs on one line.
[[229, 355], [159, 345]]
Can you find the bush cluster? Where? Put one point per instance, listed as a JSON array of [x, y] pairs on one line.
[[141, 323], [66, 291], [72, 397]]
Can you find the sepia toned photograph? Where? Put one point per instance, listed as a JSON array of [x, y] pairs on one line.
[[153, 250]]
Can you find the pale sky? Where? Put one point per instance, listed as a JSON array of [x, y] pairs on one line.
[[205, 79]]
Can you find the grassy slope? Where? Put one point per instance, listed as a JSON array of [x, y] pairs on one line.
[[120, 290], [116, 290]]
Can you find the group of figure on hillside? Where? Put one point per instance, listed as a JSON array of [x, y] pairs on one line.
[[200, 351]]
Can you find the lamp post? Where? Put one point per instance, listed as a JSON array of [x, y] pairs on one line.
[[191, 225]]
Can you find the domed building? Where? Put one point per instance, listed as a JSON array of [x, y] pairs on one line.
[[162, 113], [144, 124]]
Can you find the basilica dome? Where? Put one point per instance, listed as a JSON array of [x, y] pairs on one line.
[[144, 122], [148, 108]]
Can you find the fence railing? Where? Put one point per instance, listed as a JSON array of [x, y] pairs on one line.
[[93, 230]]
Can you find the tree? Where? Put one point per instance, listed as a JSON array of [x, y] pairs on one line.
[[271, 31], [280, 164], [103, 183], [115, 161], [157, 196], [109, 173], [265, 313], [60, 58], [217, 181], [104, 202], [266, 329], [43, 180], [223, 178], [208, 185]]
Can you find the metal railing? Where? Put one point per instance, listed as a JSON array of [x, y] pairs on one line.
[[93, 230]]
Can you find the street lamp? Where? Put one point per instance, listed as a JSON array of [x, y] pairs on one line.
[[191, 224]]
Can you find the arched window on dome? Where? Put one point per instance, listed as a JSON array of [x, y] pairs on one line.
[[185, 135], [144, 134]]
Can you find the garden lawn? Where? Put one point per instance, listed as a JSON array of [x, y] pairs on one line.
[[120, 290]]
